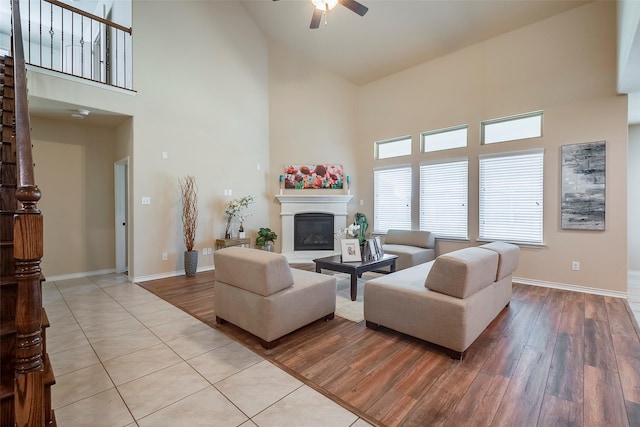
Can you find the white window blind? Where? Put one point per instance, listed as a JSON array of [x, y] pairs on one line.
[[511, 195], [392, 200], [444, 198]]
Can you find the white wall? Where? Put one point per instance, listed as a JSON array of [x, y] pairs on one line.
[[634, 198], [566, 66]]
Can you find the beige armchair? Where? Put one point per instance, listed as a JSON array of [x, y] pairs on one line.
[[258, 292], [411, 247]]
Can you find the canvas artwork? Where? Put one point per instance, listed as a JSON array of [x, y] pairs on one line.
[[313, 176], [583, 186]]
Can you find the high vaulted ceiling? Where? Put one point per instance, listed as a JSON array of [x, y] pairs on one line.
[[394, 34]]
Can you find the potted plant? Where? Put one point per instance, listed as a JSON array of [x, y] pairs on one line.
[[189, 192], [266, 238]]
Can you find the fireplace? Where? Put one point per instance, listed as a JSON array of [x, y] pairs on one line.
[[313, 232], [302, 203]]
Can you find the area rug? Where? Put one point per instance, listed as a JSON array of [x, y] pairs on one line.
[[345, 308]]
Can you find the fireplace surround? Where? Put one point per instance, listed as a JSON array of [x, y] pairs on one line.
[[292, 204]]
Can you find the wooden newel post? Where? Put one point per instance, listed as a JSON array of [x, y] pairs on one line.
[[29, 367]]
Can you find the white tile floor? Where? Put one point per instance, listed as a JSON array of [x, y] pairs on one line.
[[124, 357]]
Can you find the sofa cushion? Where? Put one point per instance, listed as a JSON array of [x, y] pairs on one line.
[[463, 272], [509, 255], [255, 270], [423, 239], [409, 256]]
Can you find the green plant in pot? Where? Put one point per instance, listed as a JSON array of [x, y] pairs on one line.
[[266, 238], [189, 192]]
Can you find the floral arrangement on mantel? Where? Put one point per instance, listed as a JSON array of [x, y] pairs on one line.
[[233, 210]]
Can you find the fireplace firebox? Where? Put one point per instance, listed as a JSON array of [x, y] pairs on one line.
[[313, 232]]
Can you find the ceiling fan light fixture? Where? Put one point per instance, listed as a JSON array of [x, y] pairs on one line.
[[324, 5], [80, 114]]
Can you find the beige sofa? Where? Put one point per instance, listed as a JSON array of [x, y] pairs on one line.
[[449, 301], [411, 247], [258, 292]]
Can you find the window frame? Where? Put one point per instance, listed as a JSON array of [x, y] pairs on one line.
[[425, 134], [516, 117], [377, 144]]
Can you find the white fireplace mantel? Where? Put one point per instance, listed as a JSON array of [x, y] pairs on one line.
[[292, 204]]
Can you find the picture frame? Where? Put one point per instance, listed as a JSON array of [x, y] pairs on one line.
[[350, 250], [379, 249], [583, 203]]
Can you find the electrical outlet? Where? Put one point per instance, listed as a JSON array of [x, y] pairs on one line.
[[204, 251], [575, 265], [210, 251], [165, 256]]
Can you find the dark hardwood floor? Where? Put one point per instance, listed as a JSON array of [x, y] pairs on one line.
[[552, 358]]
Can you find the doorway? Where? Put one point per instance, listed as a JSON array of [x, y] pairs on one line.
[[121, 186]]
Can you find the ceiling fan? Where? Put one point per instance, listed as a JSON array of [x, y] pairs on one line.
[[324, 6]]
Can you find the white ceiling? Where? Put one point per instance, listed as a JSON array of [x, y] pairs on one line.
[[394, 34]]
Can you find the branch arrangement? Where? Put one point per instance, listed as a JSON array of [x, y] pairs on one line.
[[189, 192]]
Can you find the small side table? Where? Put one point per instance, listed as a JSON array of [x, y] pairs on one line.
[[225, 243]]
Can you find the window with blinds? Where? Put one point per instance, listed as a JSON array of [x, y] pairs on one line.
[[392, 199], [444, 198], [511, 196]]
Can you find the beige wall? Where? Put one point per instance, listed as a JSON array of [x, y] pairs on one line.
[[74, 170], [566, 66], [634, 198], [203, 98], [313, 119]]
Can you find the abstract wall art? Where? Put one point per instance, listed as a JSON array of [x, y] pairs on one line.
[[583, 186]]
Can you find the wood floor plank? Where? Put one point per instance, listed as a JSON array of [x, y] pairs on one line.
[[523, 398], [604, 404], [598, 345], [540, 362], [627, 350], [557, 412], [480, 403]]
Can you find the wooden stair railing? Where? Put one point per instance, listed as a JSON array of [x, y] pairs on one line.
[[26, 374]]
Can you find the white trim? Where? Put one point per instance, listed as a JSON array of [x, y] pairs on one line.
[[168, 274], [314, 198], [568, 287], [79, 275], [76, 79]]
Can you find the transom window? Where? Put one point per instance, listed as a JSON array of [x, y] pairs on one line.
[[512, 128], [444, 139], [393, 147]]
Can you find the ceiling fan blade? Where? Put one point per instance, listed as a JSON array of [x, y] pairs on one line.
[[316, 18], [353, 5]]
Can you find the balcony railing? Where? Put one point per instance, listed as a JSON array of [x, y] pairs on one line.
[[62, 38]]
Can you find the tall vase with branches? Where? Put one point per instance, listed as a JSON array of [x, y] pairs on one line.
[[189, 192]]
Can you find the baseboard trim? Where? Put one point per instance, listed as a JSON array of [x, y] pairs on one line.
[[79, 275], [168, 274], [573, 288]]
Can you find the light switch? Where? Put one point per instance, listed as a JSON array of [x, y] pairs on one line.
[[165, 155], [146, 200]]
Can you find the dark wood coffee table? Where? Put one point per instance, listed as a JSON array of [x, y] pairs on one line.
[[355, 269]]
